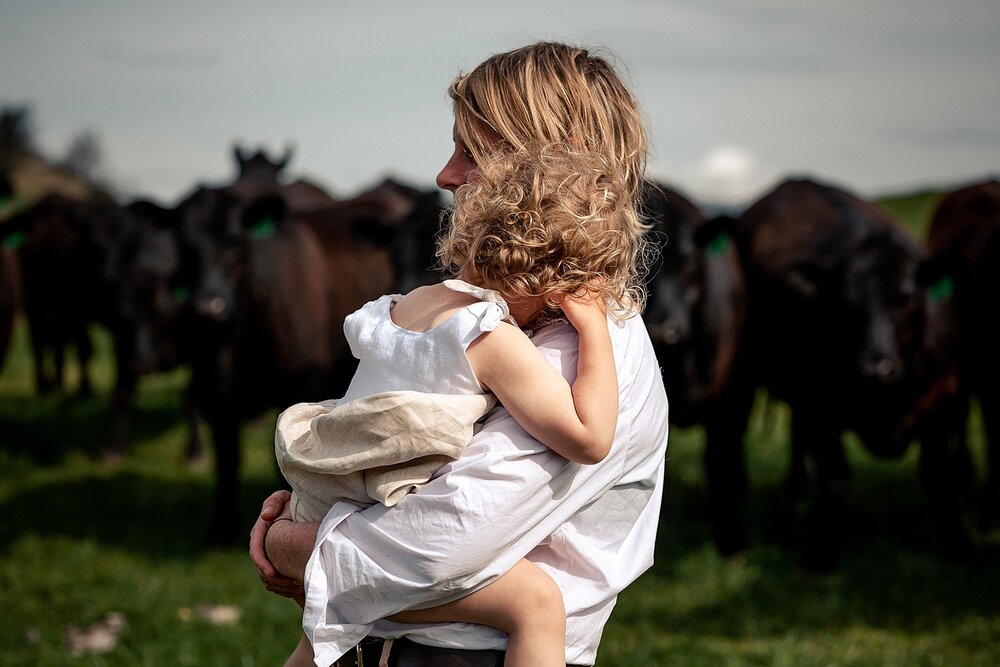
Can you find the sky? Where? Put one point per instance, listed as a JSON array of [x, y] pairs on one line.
[[876, 96]]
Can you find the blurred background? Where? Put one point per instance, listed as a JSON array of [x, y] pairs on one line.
[[824, 309], [882, 97]]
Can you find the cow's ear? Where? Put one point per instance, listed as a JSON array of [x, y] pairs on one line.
[[938, 274], [715, 235], [238, 155], [286, 158], [263, 215]]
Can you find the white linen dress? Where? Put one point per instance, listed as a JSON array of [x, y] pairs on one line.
[[410, 408]]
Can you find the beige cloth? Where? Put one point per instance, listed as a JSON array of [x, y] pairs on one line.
[[372, 449]]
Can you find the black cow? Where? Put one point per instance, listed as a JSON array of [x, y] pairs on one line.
[[271, 288], [415, 218], [154, 278], [842, 332], [964, 238], [9, 287], [148, 325], [696, 314], [9, 278], [63, 246], [6, 191]]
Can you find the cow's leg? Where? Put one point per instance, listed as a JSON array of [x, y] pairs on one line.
[[84, 352], [989, 401], [59, 366], [43, 383], [726, 474], [122, 397], [225, 526], [195, 451], [122, 401], [820, 440], [945, 470], [797, 482]]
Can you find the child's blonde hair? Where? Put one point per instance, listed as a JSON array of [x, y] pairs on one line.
[[561, 156]]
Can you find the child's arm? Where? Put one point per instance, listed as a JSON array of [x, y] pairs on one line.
[[578, 422]]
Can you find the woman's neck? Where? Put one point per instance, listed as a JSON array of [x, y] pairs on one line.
[[525, 310]]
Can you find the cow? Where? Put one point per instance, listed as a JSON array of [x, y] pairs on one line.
[[844, 334], [149, 318], [964, 239], [270, 289], [9, 288], [153, 322], [411, 215], [696, 314], [6, 191], [9, 277], [63, 245], [272, 270], [415, 218]]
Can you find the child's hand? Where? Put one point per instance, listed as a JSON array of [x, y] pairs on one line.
[[588, 309]]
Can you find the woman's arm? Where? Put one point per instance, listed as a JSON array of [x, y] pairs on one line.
[[288, 546], [280, 549], [578, 421]]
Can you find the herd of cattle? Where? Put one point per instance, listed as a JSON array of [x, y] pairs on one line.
[[813, 294]]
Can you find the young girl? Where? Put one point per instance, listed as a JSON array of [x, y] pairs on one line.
[[539, 230]]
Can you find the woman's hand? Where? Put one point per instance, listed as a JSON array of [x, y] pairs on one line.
[[275, 506]]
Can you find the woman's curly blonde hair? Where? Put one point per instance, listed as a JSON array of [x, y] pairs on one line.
[[561, 156]]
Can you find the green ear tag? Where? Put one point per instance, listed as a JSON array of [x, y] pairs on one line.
[[179, 294], [942, 289], [15, 240], [264, 228], [4, 201], [719, 244]]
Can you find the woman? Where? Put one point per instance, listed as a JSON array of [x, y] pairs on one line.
[[516, 102]]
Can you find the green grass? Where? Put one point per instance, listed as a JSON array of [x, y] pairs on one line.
[[913, 209], [80, 539]]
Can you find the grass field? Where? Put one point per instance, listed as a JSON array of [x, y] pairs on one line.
[[80, 540]]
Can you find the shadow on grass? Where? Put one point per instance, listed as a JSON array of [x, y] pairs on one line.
[[766, 594], [46, 429], [891, 575], [149, 515]]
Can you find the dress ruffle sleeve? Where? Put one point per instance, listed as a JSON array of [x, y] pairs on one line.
[[497, 310]]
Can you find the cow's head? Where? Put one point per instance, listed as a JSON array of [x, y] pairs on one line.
[[65, 239], [153, 289], [212, 248], [883, 304], [218, 228], [696, 297], [258, 166], [687, 242]]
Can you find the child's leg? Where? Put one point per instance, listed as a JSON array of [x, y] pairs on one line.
[[302, 656], [525, 603]]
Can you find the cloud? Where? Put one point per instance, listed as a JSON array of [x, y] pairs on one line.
[[728, 175]]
